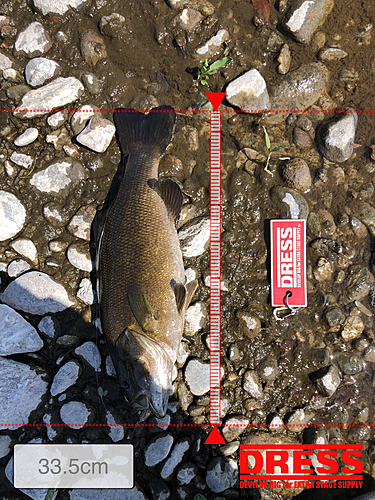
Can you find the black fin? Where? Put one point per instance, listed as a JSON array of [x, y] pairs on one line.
[[171, 193], [180, 294], [139, 305], [190, 289], [135, 129]]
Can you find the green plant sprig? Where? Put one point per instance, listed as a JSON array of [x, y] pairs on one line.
[[208, 69], [270, 151]]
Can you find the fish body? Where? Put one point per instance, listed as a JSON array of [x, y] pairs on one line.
[[141, 277]]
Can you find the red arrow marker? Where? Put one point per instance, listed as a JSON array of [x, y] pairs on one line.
[[215, 437], [215, 98]]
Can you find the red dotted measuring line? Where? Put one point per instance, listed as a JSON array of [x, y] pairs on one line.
[[271, 426], [254, 111]]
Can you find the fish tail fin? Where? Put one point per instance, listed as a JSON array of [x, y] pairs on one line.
[[135, 129]]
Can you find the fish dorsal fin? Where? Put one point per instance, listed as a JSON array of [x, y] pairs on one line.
[[190, 289], [171, 193], [140, 307], [180, 294]]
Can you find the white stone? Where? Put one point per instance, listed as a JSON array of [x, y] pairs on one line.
[[27, 137], [75, 414], [214, 45], [39, 70], [195, 318], [21, 391], [117, 431], [26, 248], [33, 41], [176, 457], [197, 376], [97, 135], [12, 215], [65, 377], [90, 352], [16, 334], [58, 7], [5, 442], [57, 119], [298, 17], [51, 433], [56, 94], [11, 74], [158, 449], [24, 161], [81, 116], [80, 224], [252, 384], [223, 284], [17, 267], [79, 258], [107, 494], [47, 326], [195, 240], [85, 292], [249, 92], [5, 62], [36, 293], [109, 366], [57, 177], [190, 274]]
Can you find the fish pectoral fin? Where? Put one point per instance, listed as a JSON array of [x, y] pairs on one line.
[[171, 193], [140, 307], [180, 294], [190, 289]]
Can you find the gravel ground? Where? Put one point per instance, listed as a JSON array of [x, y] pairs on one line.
[[307, 379]]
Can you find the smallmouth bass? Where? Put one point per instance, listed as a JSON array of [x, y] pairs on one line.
[[141, 279]]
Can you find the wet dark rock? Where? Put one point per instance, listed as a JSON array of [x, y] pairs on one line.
[[301, 138], [221, 474], [359, 434], [291, 205], [358, 282], [92, 83], [327, 380], [298, 420], [331, 54], [303, 17], [334, 317], [92, 47], [349, 363], [323, 270], [299, 89], [233, 353], [159, 490], [184, 395], [16, 92], [330, 249], [296, 174], [275, 423], [112, 25], [366, 214], [336, 136]]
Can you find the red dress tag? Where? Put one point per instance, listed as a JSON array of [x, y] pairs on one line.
[[288, 262]]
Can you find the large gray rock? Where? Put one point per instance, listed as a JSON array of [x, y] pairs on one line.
[[32, 41], [65, 377], [16, 334], [39, 70], [56, 94], [158, 449], [58, 177], [75, 414], [21, 391], [36, 293], [290, 204], [58, 7], [12, 215], [221, 474], [336, 136], [299, 89], [97, 135], [195, 239], [176, 457], [303, 17], [249, 92]]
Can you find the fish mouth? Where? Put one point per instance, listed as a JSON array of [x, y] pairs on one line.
[[145, 371]]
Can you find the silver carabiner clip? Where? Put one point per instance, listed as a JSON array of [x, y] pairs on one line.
[[292, 309]]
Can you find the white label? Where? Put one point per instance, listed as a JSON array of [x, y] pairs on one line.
[[73, 466]]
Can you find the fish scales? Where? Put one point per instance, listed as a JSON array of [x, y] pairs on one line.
[[142, 295]]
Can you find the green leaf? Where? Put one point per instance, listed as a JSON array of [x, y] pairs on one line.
[[100, 391], [105, 392], [277, 148], [50, 494], [221, 63], [268, 142], [198, 496]]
